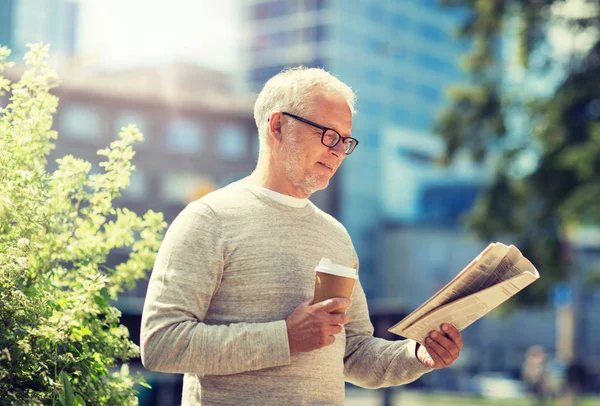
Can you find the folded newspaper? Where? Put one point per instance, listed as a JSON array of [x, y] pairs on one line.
[[493, 277]]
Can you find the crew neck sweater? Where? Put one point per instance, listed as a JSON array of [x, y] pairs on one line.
[[281, 198], [232, 267]]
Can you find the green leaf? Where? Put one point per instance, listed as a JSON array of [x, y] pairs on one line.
[[145, 384], [78, 401], [66, 397]]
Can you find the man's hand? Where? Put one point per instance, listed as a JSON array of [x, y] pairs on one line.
[[440, 350], [312, 326]]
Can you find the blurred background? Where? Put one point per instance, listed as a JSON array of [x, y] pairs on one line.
[[478, 121]]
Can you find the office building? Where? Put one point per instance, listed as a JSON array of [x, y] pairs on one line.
[[399, 56], [53, 22]]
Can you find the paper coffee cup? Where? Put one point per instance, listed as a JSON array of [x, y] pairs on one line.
[[333, 280]]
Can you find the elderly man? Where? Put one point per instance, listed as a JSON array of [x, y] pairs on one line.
[[229, 301]]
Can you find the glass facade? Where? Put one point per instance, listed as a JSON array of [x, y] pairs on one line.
[[53, 22], [399, 57], [124, 118], [180, 188], [185, 136], [6, 22], [231, 142], [80, 122], [138, 185]]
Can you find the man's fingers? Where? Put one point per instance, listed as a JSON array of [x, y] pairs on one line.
[[338, 318], [331, 305], [453, 333], [308, 301], [447, 344], [436, 352]]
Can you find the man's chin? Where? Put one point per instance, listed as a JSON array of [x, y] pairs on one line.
[[321, 184]]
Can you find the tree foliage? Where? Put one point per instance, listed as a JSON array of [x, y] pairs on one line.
[[537, 114], [60, 338]]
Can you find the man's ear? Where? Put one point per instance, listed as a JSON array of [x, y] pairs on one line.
[[275, 125]]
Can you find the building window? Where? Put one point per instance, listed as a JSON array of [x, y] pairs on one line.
[[400, 21], [276, 8], [436, 64], [421, 121], [370, 108], [315, 4], [185, 136], [274, 40], [138, 185], [374, 76], [81, 122], [433, 33], [231, 142], [316, 33], [429, 93], [260, 75], [181, 188], [399, 115], [132, 117]]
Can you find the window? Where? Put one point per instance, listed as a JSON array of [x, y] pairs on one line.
[[276, 8], [316, 33], [374, 75], [421, 121], [437, 64], [400, 20], [370, 108], [398, 114], [138, 185], [273, 40], [132, 117], [429, 93], [181, 188], [6, 23], [415, 156], [185, 136], [433, 33], [260, 75], [80, 121], [444, 204], [315, 63], [71, 26], [231, 142], [400, 84], [315, 4]]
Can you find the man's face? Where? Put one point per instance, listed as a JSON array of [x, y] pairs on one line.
[[307, 163]]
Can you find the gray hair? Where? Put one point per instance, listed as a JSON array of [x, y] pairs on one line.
[[289, 91]]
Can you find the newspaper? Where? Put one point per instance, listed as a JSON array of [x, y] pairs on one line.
[[494, 276]]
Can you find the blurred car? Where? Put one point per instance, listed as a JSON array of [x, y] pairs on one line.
[[497, 385]]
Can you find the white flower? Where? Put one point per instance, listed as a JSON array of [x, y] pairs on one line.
[[23, 262], [23, 242]]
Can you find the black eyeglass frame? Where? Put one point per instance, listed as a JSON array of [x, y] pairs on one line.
[[324, 129]]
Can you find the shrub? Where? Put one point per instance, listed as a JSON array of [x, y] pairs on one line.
[[60, 338]]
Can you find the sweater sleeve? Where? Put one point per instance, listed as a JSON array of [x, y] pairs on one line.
[[186, 275], [372, 362]]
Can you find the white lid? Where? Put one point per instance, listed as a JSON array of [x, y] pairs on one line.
[[326, 266]]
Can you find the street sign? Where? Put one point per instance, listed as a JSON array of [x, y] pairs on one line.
[[562, 295]]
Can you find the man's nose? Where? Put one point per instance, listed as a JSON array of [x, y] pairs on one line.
[[339, 150]]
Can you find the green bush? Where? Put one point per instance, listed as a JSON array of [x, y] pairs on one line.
[[60, 338]]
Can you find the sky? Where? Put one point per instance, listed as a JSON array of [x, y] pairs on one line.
[[117, 34]]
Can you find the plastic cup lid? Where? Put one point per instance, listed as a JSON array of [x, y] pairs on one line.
[[326, 266]]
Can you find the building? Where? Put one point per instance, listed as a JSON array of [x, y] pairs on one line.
[[399, 56], [50, 21]]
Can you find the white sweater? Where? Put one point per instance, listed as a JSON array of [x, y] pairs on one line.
[[232, 267]]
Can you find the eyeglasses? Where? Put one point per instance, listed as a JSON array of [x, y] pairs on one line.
[[330, 137]]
